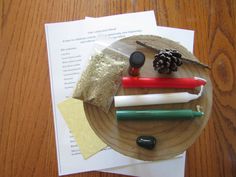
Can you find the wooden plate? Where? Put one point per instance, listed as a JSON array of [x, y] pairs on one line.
[[173, 137]]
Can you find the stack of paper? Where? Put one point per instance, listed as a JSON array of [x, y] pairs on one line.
[[69, 46]]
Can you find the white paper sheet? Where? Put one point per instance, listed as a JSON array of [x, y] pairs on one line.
[[182, 36], [165, 168], [69, 45]]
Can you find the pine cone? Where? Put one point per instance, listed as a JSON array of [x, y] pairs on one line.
[[166, 61]]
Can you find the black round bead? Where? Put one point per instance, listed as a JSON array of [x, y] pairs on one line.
[[137, 59]]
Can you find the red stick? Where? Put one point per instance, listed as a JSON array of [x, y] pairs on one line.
[[146, 82]]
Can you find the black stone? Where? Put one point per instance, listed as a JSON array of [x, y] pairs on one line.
[[147, 142]]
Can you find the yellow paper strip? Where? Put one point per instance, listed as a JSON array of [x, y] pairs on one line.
[[73, 113]]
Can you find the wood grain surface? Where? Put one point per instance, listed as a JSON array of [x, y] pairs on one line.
[[27, 142], [173, 137]]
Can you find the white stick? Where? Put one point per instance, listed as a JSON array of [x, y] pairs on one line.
[[153, 99]]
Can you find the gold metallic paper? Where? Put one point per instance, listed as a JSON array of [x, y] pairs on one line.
[[101, 79], [73, 113]]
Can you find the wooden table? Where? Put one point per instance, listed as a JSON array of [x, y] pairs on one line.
[[27, 142]]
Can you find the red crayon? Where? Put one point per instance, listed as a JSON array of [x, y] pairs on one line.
[[147, 82]]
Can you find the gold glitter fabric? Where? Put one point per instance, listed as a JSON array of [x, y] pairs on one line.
[[101, 79]]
